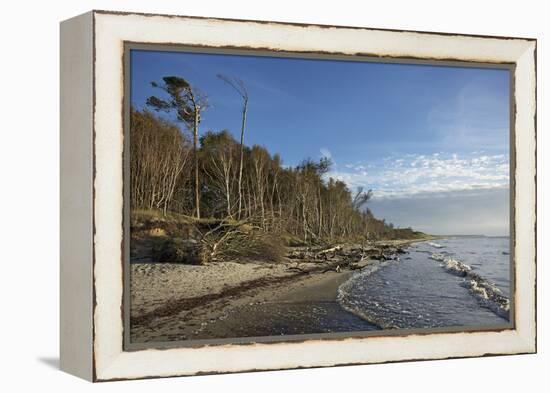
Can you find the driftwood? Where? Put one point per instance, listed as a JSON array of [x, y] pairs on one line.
[[314, 254], [338, 258], [332, 249]]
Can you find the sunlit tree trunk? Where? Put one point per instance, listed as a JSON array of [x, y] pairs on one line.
[[239, 185], [196, 158]]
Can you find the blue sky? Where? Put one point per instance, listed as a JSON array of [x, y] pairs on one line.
[[413, 133]]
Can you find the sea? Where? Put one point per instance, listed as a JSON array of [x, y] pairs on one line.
[[460, 281], [456, 282]]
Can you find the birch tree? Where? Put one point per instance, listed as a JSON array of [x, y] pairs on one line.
[[187, 103], [218, 156], [239, 86], [159, 155]]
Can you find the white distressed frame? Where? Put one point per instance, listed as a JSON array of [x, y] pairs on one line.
[[111, 30]]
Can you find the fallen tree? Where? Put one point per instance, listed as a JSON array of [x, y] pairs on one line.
[[340, 257]]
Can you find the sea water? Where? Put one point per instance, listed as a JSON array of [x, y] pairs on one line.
[[453, 282]]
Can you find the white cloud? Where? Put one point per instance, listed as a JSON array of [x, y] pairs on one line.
[[416, 175]]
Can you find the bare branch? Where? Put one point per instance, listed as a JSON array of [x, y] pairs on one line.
[[236, 84]]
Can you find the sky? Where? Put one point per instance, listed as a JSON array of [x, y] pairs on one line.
[[432, 142]]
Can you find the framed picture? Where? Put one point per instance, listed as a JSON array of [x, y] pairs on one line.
[[245, 195]]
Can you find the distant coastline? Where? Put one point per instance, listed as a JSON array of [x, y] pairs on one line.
[[446, 236]]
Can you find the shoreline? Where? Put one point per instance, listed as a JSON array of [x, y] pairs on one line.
[[307, 307], [230, 300]]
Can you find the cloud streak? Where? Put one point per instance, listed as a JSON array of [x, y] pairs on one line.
[[415, 175]]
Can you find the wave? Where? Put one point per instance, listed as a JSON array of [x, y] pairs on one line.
[[346, 288], [435, 245], [437, 257], [485, 291], [378, 301], [377, 321], [456, 267]]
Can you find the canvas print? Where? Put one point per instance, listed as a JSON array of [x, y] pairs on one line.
[[283, 197]]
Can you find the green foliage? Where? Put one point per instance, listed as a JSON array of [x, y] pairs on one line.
[[180, 98]]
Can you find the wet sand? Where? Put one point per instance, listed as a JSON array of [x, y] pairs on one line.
[[299, 304], [307, 308]]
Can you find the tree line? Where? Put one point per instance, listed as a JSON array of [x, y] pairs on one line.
[[213, 175]]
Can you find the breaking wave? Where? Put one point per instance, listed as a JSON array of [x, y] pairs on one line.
[[356, 307], [485, 291], [435, 245]]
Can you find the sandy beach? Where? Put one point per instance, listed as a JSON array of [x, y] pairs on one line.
[[178, 302], [229, 299]]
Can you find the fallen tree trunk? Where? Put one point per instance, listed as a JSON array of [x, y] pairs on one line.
[[324, 253]]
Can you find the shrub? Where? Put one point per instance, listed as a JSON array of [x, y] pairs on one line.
[[256, 246], [177, 250]]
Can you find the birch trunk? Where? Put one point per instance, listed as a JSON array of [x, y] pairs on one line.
[[243, 125]]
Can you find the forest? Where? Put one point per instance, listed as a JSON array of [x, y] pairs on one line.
[[211, 177]]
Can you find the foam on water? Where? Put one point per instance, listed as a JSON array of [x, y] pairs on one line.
[[435, 245], [485, 291], [355, 307]]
